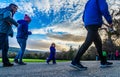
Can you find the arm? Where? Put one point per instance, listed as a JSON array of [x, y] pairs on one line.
[[103, 6], [25, 30], [29, 32], [8, 18]]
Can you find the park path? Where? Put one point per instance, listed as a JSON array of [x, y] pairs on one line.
[[61, 69]]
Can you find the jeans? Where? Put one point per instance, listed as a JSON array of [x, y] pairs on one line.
[[92, 36], [4, 46], [22, 44]]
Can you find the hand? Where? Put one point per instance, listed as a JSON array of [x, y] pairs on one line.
[[111, 25], [29, 33], [9, 23]]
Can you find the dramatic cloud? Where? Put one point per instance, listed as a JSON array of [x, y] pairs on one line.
[[65, 29], [67, 37], [44, 45], [68, 27]]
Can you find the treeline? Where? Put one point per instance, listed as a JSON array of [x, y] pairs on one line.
[[90, 54], [63, 55]]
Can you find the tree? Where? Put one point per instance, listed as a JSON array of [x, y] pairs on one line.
[[71, 52], [113, 38]]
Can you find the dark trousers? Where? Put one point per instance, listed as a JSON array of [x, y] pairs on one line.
[[51, 57], [92, 36], [4, 46]]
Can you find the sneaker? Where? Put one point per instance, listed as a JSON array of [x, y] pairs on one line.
[[54, 63], [107, 64], [78, 66], [16, 61], [22, 63], [8, 65], [47, 62]]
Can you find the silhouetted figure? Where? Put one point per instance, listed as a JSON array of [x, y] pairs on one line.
[[6, 22], [92, 18], [52, 54]]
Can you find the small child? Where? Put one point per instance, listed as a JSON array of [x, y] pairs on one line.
[[22, 36], [52, 54]]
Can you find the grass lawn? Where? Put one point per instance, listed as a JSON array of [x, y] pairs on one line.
[[34, 60]]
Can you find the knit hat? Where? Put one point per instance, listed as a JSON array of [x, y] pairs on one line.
[[27, 18]]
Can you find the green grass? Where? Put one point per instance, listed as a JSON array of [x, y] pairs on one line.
[[34, 60]]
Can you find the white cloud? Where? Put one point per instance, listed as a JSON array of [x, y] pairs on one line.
[[70, 28], [39, 31], [13, 42], [26, 7]]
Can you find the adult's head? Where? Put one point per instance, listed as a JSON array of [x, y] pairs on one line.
[[13, 8]]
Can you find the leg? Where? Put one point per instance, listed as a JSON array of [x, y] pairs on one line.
[[49, 59], [54, 60], [84, 47], [98, 44], [2, 45], [22, 44], [18, 55], [22, 50], [2, 40], [5, 48]]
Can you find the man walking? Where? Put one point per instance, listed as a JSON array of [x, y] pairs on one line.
[[92, 18], [6, 21]]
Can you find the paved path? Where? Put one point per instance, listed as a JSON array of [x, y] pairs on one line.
[[60, 70]]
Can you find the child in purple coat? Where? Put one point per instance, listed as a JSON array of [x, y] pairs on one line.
[[52, 54]]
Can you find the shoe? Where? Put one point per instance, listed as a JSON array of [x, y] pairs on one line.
[[107, 64], [8, 65], [54, 63], [78, 66], [22, 63], [47, 62], [16, 61]]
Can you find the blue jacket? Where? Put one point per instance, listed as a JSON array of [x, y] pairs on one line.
[[94, 10], [22, 30], [52, 51]]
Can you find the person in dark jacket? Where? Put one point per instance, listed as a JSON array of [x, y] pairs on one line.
[[22, 36], [92, 18], [6, 22], [52, 54]]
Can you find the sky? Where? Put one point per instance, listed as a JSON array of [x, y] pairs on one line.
[[58, 21]]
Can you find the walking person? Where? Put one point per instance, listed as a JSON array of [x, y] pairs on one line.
[[92, 18], [22, 36], [52, 54], [6, 22]]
